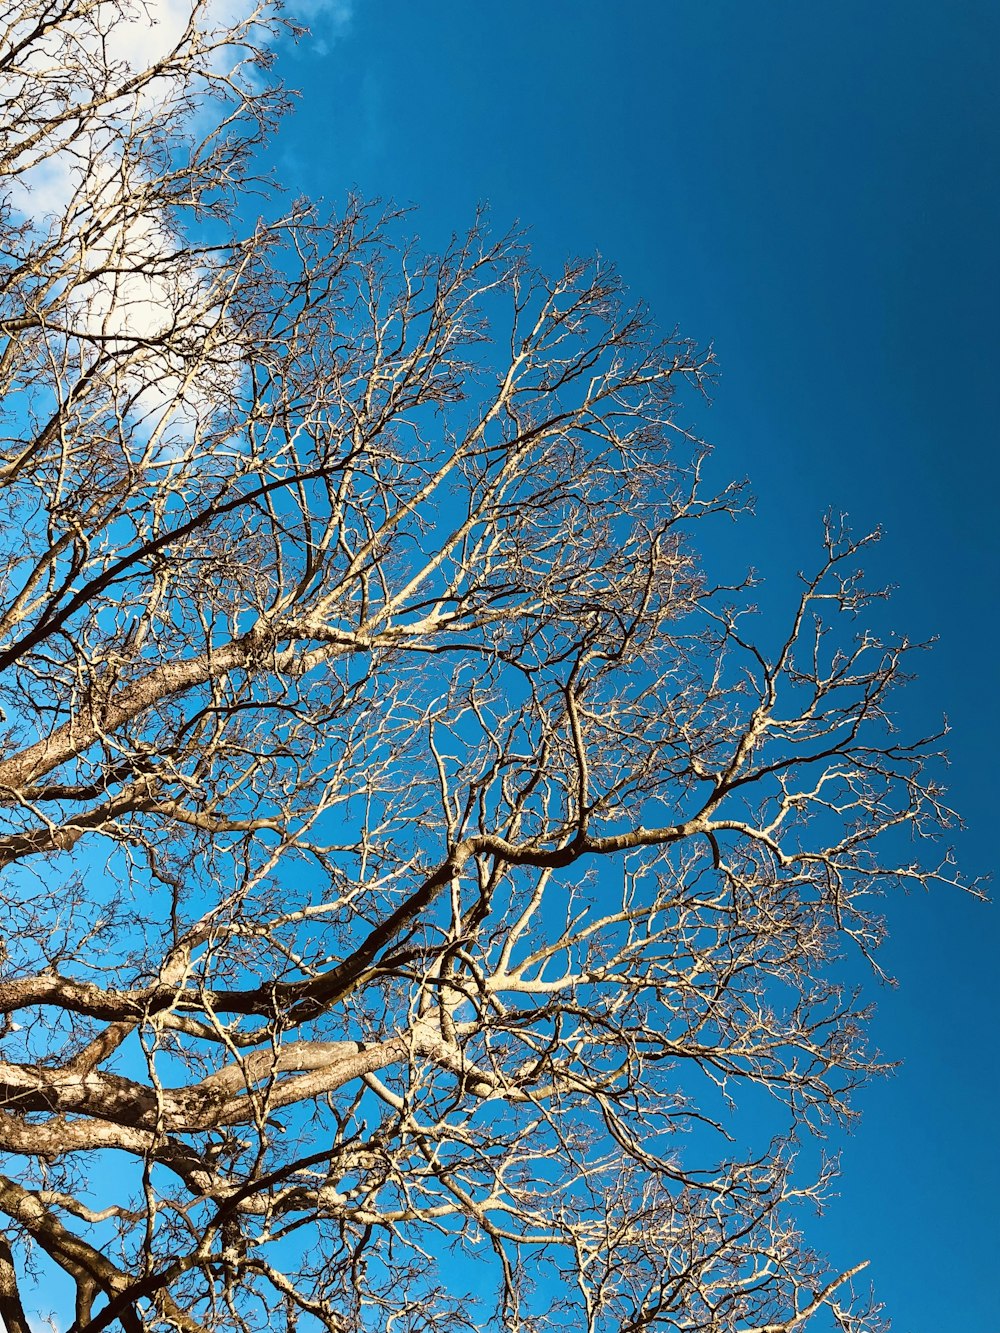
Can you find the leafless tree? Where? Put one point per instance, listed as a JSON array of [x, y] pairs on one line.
[[415, 870]]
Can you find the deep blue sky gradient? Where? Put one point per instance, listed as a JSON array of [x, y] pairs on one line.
[[816, 189]]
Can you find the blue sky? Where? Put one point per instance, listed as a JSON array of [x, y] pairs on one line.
[[815, 189]]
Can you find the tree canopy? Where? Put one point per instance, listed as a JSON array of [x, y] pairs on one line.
[[416, 868]]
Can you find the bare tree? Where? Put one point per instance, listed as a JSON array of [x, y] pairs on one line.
[[413, 864]]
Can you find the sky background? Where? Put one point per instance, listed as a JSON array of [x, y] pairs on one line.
[[816, 190]]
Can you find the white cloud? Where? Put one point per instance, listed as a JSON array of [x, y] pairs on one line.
[[158, 26], [118, 274]]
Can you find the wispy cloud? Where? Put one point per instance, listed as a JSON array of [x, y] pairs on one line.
[[325, 20], [333, 15]]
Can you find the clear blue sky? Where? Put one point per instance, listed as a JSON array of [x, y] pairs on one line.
[[816, 189]]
